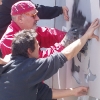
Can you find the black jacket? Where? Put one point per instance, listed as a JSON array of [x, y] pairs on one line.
[[45, 12], [21, 78]]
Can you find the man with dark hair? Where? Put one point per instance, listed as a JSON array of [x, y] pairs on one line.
[[45, 12], [21, 78]]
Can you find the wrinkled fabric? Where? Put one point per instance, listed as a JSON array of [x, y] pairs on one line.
[[21, 78]]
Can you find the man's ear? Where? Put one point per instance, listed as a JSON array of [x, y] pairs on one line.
[[19, 18], [29, 51]]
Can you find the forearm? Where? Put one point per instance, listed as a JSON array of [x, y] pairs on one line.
[[72, 50], [46, 12], [61, 93]]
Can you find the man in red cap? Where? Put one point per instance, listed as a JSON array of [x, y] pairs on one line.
[[24, 16], [45, 12]]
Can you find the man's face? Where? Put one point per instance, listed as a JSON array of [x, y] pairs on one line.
[[35, 53], [30, 19]]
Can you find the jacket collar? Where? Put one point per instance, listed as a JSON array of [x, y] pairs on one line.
[[15, 26]]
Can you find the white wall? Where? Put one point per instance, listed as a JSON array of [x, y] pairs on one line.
[[49, 23]]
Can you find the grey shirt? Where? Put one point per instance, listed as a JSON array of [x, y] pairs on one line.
[[19, 79]]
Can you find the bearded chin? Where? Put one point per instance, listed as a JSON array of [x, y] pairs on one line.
[[35, 27]]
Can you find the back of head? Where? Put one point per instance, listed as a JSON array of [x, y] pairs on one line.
[[22, 7], [22, 41]]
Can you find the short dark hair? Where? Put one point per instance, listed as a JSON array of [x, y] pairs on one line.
[[22, 41]]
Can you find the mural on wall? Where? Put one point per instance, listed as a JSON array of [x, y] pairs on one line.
[[90, 76], [83, 66], [94, 90], [86, 65], [79, 26], [82, 72]]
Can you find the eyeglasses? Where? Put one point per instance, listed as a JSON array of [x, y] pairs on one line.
[[32, 15]]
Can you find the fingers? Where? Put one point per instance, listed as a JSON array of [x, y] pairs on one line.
[[65, 12], [96, 37], [67, 9], [98, 25], [81, 91], [84, 89], [66, 18], [95, 23], [90, 32]]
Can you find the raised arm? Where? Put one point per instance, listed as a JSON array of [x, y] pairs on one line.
[[46, 12], [72, 50]]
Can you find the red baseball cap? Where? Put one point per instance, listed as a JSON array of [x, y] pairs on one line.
[[22, 7]]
